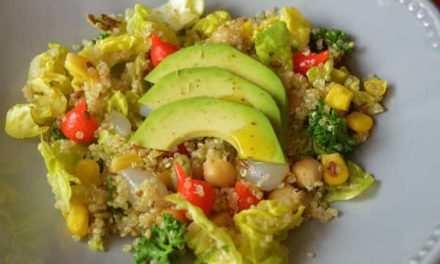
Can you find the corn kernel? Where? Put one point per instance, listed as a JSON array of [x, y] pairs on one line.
[[375, 87], [123, 162], [78, 220], [360, 122], [339, 97], [248, 30], [335, 169], [87, 171], [81, 68]]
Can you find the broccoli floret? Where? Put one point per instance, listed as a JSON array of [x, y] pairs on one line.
[[163, 244], [336, 40], [329, 132]]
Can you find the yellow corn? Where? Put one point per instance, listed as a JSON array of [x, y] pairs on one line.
[[335, 169], [81, 68], [87, 171], [248, 30], [78, 220], [123, 162], [375, 87], [360, 122], [339, 97]]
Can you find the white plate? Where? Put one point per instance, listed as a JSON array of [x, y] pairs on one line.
[[392, 223]]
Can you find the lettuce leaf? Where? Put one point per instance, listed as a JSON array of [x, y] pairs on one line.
[[178, 13], [207, 25], [49, 101], [358, 181], [321, 72], [297, 25], [20, 123], [49, 66], [261, 230], [273, 45], [204, 235], [60, 159], [118, 102], [123, 43], [139, 23]]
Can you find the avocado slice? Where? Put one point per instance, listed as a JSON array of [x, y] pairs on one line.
[[244, 127], [213, 82], [227, 57]]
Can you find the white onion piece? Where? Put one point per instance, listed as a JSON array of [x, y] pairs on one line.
[[121, 123], [267, 176], [145, 110], [135, 177]]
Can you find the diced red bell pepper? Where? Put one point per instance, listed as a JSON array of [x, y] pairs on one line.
[[302, 63], [245, 196], [78, 124], [198, 193], [161, 49]]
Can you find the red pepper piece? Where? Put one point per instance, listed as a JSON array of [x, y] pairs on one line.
[[161, 49], [78, 124], [302, 63]]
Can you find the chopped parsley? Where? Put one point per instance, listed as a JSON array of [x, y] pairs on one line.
[[329, 132], [101, 37], [111, 188], [163, 244], [336, 40], [56, 134]]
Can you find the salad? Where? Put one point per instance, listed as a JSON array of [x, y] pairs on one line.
[[201, 132]]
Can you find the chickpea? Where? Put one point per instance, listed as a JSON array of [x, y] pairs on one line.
[[288, 196], [219, 173], [308, 173], [176, 214], [222, 218]]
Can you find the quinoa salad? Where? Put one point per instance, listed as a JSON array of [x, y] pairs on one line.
[[199, 132]]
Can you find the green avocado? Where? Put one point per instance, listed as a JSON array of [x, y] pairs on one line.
[[227, 57], [213, 82], [244, 127]]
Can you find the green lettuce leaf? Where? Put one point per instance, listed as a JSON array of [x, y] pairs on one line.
[[60, 159], [207, 25], [261, 230], [204, 235], [118, 102], [273, 45], [178, 13], [322, 72], [49, 66], [298, 26], [123, 43], [358, 181], [49, 101], [21, 124], [139, 22]]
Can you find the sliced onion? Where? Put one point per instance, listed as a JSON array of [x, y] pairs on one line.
[[135, 177], [267, 176], [145, 110], [121, 123]]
